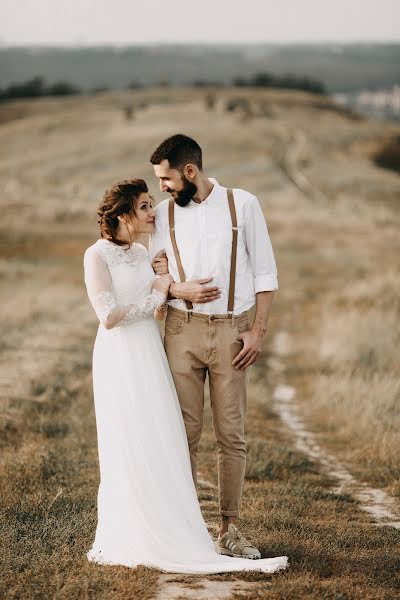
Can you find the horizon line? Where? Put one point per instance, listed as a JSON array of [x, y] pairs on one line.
[[49, 45]]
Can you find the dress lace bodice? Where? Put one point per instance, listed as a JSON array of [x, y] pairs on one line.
[[119, 282], [115, 255]]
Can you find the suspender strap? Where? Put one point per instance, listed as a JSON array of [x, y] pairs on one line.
[[232, 278], [171, 219]]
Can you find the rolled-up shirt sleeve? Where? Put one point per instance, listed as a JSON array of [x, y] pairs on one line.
[[259, 247]]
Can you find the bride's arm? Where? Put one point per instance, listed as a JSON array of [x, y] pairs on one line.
[[99, 289]]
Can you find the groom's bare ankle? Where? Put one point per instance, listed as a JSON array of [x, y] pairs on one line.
[[225, 520]]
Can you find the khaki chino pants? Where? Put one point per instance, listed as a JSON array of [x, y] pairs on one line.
[[196, 344]]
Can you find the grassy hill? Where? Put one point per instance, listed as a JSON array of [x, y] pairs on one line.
[[333, 217]]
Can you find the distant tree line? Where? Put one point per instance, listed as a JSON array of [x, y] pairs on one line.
[[267, 80], [289, 82], [36, 88]]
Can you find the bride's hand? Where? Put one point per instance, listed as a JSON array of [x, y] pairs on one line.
[[160, 263], [161, 312], [161, 284]]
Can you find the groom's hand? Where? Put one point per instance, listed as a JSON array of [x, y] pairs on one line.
[[252, 345], [160, 263], [195, 291]]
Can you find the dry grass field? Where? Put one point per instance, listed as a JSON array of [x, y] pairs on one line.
[[334, 219]]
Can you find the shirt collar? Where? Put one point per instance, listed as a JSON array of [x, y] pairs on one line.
[[214, 192]]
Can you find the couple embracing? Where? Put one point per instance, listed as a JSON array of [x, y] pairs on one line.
[[209, 261]]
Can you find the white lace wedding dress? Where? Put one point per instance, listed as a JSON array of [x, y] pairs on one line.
[[148, 511]]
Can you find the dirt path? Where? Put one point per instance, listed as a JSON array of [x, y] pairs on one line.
[[382, 507], [175, 588], [293, 149]]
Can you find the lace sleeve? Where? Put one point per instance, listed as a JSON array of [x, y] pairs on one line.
[[99, 289]]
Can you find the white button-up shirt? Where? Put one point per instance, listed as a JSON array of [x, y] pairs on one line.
[[203, 234]]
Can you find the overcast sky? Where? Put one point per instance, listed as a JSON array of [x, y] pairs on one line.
[[120, 22]]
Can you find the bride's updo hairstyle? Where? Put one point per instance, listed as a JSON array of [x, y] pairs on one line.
[[118, 200]]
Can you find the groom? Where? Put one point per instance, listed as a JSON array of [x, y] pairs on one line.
[[220, 256]]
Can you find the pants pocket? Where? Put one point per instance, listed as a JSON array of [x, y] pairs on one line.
[[173, 326], [240, 327]]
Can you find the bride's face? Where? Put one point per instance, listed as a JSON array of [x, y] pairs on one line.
[[141, 221]]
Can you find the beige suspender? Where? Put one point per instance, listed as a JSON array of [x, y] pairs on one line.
[[232, 277], [171, 219]]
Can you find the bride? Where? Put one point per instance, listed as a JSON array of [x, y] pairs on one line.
[[148, 511]]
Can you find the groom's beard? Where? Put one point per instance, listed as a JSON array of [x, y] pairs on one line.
[[183, 197]]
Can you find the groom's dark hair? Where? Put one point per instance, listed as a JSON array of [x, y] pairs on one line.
[[179, 150]]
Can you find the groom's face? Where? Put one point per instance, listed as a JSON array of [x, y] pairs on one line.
[[175, 183]]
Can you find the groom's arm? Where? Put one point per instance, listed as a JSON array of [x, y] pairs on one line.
[[195, 291], [253, 339], [157, 242], [263, 309], [259, 248], [158, 238]]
